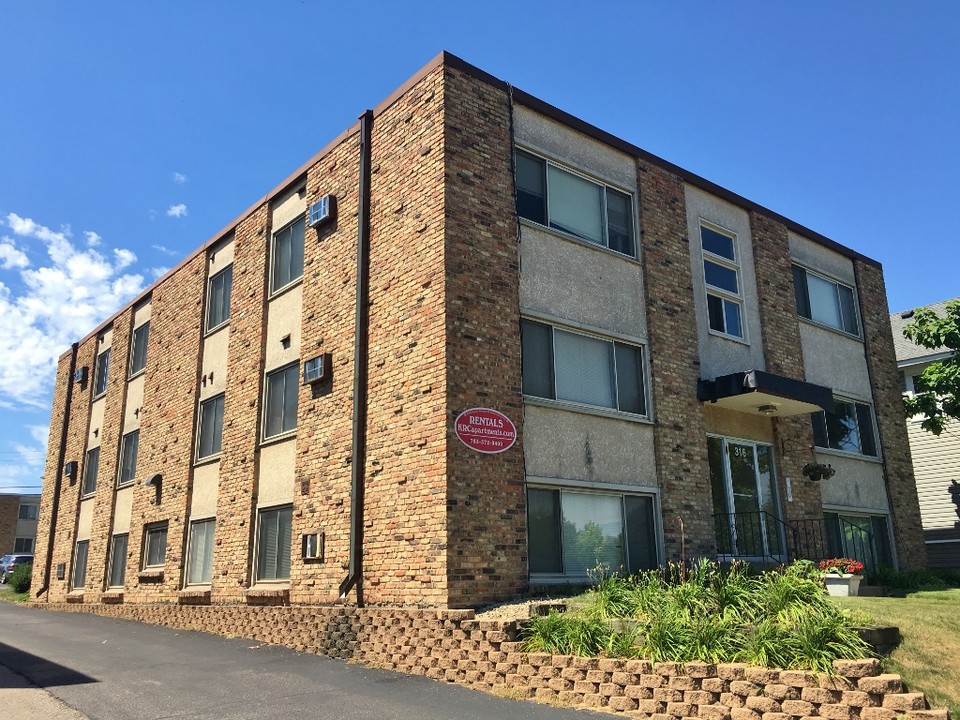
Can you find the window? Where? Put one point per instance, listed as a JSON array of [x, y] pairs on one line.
[[721, 273], [211, 427], [90, 468], [102, 371], [23, 545], [549, 195], [848, 428], [28, 512], [862, 537], [200, 552], [273, 544], [572, 532], [283, 386], [825, 301], [154, 546], [287, 258], [128, 457], [79, 579], [138, 351], [218, 298], [118, 560], [562, 365]]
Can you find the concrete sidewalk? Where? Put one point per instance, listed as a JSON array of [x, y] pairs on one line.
[[22, 700]]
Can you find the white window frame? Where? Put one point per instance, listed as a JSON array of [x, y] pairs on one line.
[[205, 525], [856, 414], [114, 557], [86, 479], [294, 279], [74, 584], [258, 569], [124, 449], [724, 295], [18, 545], [101, 374], [613, 341], [135, 344], [201, 416], [838, 284], [151, 534], [293, 386], [225, 301], [597, 488], [604, 212]]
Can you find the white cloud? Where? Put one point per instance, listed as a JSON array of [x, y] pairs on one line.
[[11, 257], [93, 239], [159, 272], [165, 250], [179, 178], [54, 304], [177, 210]]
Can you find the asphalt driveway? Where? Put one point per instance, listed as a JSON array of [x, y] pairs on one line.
[[123, 670]]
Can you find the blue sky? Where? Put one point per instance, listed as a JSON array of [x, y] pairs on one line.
[[130, 133]]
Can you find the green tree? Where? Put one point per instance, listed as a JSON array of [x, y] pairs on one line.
[[937, 399]]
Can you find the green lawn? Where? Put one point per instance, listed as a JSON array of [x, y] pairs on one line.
[[7, 594], [928, 657]]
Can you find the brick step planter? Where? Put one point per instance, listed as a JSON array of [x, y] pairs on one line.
[[451, 645]]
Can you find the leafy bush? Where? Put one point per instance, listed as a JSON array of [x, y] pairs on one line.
[[912, 579], [779, 618], [19, 579]]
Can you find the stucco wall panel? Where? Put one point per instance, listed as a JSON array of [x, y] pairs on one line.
[[134, 404], [835, 361], [857, 484], [203, 501], [720, 355], [123, 510], [213, 372], [566, 280], [817, 257], [284, 319], [277, 462], [577, 446]]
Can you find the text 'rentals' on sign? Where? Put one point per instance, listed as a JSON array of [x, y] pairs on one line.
[[485, 430]]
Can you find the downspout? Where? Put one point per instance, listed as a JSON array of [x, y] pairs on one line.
[[61, 455], [360, 353]]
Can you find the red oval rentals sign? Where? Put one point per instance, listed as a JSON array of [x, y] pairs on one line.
[[485, 430]]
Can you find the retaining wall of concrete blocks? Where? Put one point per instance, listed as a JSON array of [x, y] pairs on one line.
[[452, 645]]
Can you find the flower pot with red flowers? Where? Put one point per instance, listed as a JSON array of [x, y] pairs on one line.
[[842, 576]]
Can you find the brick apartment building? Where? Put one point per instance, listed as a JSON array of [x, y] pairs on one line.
[[670, 354], [18, 522]]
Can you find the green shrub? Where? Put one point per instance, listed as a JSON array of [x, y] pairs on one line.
[[911, 579], [19, 579], [780, 618]]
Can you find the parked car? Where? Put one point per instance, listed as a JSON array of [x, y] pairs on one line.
[[9, 563]]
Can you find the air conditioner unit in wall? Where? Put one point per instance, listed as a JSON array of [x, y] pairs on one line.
[[323, 210], [70, 469], [80, 375], [316, 369]]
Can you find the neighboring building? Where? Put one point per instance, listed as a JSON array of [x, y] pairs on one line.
[[936, 458], [658, 342], [18, 523]]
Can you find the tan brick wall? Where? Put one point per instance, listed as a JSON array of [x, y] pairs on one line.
[[9, 509], [451, 645], [783, 354], [680, 439], [236, 497], [486, 504], [888, 406], [110, 432]]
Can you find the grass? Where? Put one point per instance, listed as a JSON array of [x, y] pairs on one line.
[[928, 657], [7, 594]]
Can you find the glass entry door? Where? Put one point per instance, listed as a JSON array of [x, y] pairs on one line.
[[745, 499]]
